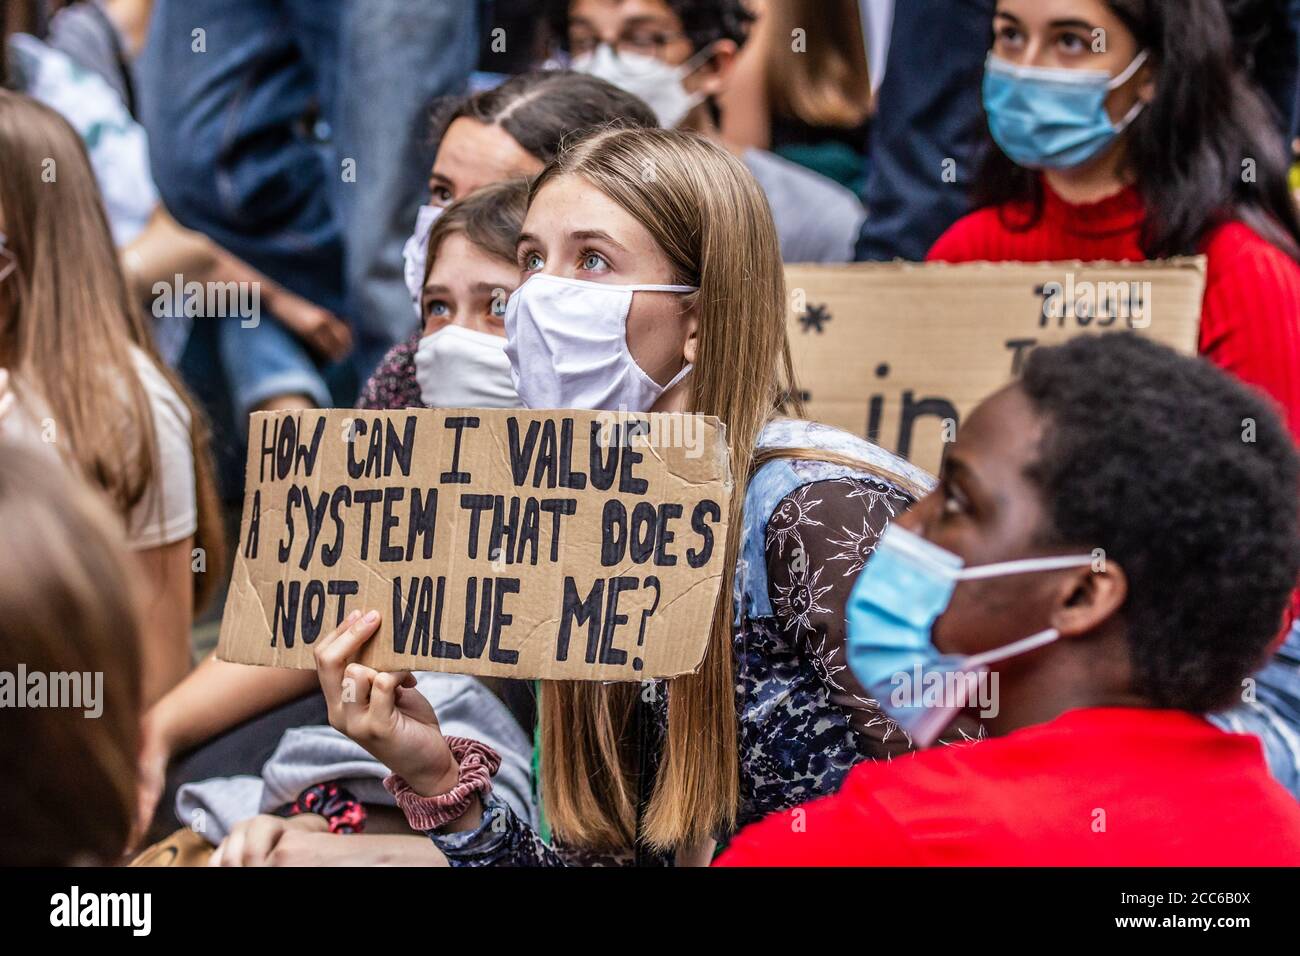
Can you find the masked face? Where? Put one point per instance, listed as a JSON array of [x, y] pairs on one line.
[[460, 362], [962, 581], [599, 322], [660, 85], [1053, 118], [461, 368]]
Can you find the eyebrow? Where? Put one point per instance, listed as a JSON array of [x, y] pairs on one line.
[[1067, 24], [598, 235], [1055, 24], [479, 288]]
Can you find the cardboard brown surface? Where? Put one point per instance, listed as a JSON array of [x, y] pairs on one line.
[[892, 351], [631, 577]]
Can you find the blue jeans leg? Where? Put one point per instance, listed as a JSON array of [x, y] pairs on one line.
[[396, 58]]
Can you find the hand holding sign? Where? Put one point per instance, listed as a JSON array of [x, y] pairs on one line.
[[383, 711], [523, 544]]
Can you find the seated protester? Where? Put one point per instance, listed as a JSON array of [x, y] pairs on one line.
[[1171, 152], [646, 294], [1109, 502], [90, 392], [460, 277], [229, 718], [507, 132], [69, 605], [679, 56]]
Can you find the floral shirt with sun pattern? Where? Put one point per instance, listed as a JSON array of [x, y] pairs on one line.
[[808, 528]]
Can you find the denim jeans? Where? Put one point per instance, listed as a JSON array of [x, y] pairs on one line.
[[320, 207], [1274, 714]]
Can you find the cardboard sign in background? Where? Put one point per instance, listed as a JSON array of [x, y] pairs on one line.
[[892, 351], [526, 544]]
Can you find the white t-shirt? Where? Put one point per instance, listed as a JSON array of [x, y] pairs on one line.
[[168, 510]]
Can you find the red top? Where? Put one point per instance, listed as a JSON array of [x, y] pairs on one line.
[[1094, 787], [1251, 322]]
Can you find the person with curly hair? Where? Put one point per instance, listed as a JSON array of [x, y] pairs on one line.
[[1180, 483]]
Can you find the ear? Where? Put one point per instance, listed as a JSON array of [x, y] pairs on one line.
[[714, 76], [1089, 597], [1147, 83], [691, 324]]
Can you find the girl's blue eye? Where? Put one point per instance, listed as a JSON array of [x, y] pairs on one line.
[[437, 308], [533, 262], [592, 262]]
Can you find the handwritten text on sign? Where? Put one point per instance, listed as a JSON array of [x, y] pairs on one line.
[[569, 545]]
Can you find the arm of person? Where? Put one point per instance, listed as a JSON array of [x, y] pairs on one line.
[[303, 840], [169, 610], [214, 697], [1250, 322], [166, 249]]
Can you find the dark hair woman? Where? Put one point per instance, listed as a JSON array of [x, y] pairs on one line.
[[509, 132], [1128, 131]]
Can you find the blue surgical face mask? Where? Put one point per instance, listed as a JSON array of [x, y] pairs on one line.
[[905, 586], [1052, 118]]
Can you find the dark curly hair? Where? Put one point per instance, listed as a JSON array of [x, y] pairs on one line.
[[1190, 481], [704, 22]]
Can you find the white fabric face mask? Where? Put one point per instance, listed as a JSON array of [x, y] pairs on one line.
[[658, 83], [462, 368], [567, 344], [414, 253]]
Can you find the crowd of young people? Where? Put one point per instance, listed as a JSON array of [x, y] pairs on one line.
[[1101, 539]]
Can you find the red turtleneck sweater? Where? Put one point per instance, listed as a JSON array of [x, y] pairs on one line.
[[1251, 321]]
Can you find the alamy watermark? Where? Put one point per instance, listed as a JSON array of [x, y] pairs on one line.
[[76, 690], [213, 300]]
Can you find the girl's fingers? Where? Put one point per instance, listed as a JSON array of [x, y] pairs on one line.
[[357, 682], [233, 846], [383, 698], [337, 650], [335, 634]]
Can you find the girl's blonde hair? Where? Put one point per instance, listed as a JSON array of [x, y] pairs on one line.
[[67, 325], [712, 220]]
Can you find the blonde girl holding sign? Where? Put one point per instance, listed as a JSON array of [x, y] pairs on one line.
[[653, 282]]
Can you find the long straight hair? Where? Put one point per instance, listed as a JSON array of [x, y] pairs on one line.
[[1205, 151], [711, 219], [67, 324]]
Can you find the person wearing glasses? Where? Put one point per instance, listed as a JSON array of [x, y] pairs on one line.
[[680, 57]]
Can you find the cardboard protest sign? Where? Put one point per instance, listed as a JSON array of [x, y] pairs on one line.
[[528, 544], [900, 352]]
